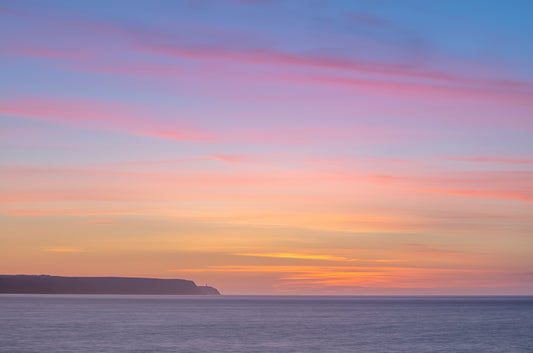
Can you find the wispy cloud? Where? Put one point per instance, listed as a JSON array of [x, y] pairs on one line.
[[333, 70], [46, 52], [97, 114], [272, 57], [297, 256], [329, 277], [504, 160], [67, 250], [523, 196]]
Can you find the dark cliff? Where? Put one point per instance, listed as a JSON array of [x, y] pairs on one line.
[[43, 284]]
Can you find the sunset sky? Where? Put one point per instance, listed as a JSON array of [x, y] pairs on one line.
[[270, 146]]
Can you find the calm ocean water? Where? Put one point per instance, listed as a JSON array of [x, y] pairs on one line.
[[104, 323]]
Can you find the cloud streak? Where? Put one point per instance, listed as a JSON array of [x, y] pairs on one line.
[[504, 160], [277, 58], [63, 250], [95, 114], [297, 256]]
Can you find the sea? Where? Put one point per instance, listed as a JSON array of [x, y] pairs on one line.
[[234, 324]]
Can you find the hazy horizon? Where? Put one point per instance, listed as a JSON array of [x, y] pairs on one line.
[[382, 292]]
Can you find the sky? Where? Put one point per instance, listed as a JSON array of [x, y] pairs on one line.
[[270, 146]]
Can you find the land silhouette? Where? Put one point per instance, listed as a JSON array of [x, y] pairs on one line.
[[45, 284]]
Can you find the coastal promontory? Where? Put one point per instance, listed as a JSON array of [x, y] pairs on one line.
[[45, 284]]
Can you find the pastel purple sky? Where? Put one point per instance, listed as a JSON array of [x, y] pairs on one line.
[[268, 146]]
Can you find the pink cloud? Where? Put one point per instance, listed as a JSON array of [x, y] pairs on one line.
[[139, 120], [136, 69], [226, 158], [389, 79], [504, 160], [272, 183], [298, 135], [43, 52], [314, 89], [277, 58], [513, 186], [151, 41], [488, 194], [164, 161], [412, 89], [96, 114], [185, 135], [238, 158]]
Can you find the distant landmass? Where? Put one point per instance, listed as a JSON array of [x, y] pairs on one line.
[[44, 284]]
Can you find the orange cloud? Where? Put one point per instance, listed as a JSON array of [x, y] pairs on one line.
[[290, 278], [297, 256], [63, 250]]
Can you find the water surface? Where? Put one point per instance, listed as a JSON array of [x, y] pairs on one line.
[[121, 323]]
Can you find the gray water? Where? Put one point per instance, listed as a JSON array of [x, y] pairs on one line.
[[107, 323]]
